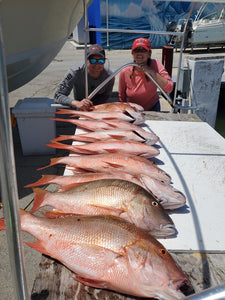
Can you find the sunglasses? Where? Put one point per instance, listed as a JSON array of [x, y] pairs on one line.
[[142, 50], [100, 61]]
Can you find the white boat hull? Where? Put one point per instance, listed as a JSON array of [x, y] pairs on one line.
[[33, 33], [208, 34]]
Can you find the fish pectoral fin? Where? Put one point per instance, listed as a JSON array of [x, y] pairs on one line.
[[136, 255], [108, 210], [38, 246], [90, 282], [114, 165], [111, 150], [53, 214]]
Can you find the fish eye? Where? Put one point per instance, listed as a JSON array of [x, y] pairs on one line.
[[162, 251], [155, 203]]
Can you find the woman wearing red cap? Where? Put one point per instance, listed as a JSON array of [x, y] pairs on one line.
[[135, 86]]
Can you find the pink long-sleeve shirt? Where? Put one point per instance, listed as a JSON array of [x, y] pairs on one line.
[[139, 89]]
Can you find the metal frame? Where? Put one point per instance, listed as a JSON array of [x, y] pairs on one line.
[[8, 186], [9, 190]]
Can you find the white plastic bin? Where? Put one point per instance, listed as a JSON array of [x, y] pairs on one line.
[[34, 124]]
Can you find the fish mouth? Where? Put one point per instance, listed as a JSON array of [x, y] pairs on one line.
[[182, 285], [137, 117], [164, 231], [174, 202]]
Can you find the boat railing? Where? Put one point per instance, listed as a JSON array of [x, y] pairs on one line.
[[116, 72]]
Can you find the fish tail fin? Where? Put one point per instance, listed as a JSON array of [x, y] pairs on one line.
[[59, 146], [45, 179], [53, 162], [63, 138], [2, 220], [65, 111], [39, 198], [73, 121]]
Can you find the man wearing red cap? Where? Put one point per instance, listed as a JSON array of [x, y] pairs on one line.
[[135, 86]]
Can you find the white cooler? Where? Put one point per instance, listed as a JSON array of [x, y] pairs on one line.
[[34, 124]]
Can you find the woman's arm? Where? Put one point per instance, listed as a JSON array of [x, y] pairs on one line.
[[122, 87], [160, 75]]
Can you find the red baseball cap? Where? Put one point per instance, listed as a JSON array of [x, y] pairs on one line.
[[141, 42]]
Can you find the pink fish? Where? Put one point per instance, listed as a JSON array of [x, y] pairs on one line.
[[107, 252], [69, 181], [117, 106], [123, 147], [91, 125], [127, 115], [115, 197], [131, 164], [168, 196], [104, 135]]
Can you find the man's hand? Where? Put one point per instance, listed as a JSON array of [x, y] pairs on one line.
[[84, 105]]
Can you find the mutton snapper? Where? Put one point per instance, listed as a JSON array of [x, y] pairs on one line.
[[107, 252], [116, 197], [168, 196]]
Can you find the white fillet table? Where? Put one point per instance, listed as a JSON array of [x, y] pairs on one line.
[[193, 154]]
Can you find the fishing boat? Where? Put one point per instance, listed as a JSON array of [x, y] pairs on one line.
[[33, 33], [204, 31]]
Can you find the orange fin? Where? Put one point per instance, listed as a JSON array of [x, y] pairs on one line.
[[63, 138], [59, 146], [39, 196], [53, 162], [65, 111], [90, 282], [45, 179], [38, 246], [54, 214], [68, 187], [111, 150], [114, 165]]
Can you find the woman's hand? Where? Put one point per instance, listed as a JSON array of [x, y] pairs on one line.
[[84, 105]]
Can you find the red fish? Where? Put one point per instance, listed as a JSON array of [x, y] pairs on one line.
[[131, 164], [107, 252], [126, 115], [91, 125], [168, 196], [110, 197], [117, 106], [104, 135], [123, 147]]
